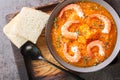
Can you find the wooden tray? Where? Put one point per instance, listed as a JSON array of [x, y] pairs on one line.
[[45, 71], [41, 69]]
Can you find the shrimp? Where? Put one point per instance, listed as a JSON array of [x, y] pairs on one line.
[[66, 33], [76, 57], [107, 23], [76, 7], [97, 43]]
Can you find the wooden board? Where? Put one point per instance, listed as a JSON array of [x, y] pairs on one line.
[[43, 70]]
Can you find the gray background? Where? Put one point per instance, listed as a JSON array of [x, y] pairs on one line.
[[8, 67]]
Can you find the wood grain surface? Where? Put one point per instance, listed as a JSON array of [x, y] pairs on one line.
[[43, 70]]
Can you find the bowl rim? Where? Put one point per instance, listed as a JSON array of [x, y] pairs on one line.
[[100, 66]]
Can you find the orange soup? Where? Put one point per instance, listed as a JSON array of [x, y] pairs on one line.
[[84, 34]]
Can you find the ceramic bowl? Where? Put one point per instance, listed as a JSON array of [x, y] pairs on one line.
[[56, 11]]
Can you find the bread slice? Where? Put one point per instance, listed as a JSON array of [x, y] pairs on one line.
[[27, 25], [31, 23], [10, 32]]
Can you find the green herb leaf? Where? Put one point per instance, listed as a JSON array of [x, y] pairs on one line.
[[101, 26], [58, 46], [85, 60], [55, 25], [94, 8], [55, 22], [78, 32], [95, 24], [56, 19], [106, 45], [58, 40]]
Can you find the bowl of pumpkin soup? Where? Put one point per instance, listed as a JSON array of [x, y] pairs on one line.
[[83, 35]]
